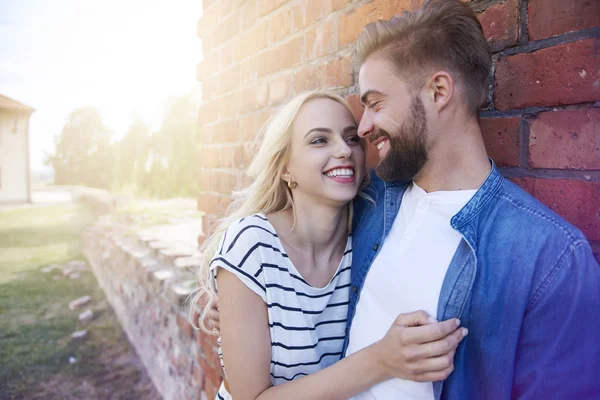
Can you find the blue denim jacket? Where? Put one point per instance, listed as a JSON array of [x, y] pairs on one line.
[[523, 281]]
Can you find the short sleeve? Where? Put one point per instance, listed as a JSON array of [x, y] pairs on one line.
[[239, 253]]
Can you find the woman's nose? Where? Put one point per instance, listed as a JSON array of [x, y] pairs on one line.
[[343, 150]]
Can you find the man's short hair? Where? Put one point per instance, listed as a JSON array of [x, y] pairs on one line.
[[442, 34]]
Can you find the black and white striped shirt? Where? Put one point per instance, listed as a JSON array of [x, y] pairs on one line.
[[307, 324]]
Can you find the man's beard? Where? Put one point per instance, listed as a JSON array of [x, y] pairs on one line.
[[408, 152]]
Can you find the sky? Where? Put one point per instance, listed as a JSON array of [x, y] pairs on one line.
[[124, 57]]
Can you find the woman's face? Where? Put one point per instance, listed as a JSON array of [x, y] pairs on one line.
[[327, 158]]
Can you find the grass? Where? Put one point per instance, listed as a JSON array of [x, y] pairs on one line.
[[36, 323]]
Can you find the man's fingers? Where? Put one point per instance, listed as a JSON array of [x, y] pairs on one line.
[[430, 333], [442, 346], [416, 318]]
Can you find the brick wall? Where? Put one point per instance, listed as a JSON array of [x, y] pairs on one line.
[[541, 123], [147, 282]]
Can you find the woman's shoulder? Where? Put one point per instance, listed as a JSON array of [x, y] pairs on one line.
[[246, 232]]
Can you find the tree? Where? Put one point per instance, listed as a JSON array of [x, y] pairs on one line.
[[83, 151]]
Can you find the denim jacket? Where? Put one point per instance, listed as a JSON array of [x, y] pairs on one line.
[[523, 281]]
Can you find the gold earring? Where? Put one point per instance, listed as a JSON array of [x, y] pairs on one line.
[[292, 184]]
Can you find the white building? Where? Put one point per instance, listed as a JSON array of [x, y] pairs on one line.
[[14, 151]]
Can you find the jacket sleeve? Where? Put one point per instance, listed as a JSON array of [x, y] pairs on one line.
[[558, 355]]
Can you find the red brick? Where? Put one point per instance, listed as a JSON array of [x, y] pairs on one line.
[[280, 24], [223, 182], [249, 70], [357, 108], [229, 80], [227, 53], [339, 72], [211, 87], [266, 6], [227, 29], [308, 11], [283, 56], [251, 124], [184, 325], [335, 73], [227, 105], [253, 41], [207, 112], [352, 23], [550, 18], [248, 12], [338, 4], [280, 89], [502, 140], [209, 66], [500, 24], [225, 7], [208, 22], [565, 140], [225, 132], [252, 98], [563, 74], [319, 41], [308, 78], [576, 201], [212, 203], [207, 4]]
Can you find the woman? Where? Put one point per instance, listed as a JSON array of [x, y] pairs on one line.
[[282, 263]]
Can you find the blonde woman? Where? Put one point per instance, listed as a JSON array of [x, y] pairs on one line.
[[281, 265]]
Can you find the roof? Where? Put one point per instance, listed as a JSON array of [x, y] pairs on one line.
[[10, 104]]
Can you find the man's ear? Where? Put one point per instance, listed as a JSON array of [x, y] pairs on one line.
[[440, 89]]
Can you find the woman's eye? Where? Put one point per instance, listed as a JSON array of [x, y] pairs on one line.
[[353, 139], [318, 141]]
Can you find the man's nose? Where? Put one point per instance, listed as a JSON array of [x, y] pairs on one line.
[[365, 127]]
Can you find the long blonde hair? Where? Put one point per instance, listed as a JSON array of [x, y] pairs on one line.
[[267, 194]]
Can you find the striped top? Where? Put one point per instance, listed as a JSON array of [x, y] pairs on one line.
[[307, 324]]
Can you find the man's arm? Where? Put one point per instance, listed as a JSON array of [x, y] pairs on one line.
[[558, 355]]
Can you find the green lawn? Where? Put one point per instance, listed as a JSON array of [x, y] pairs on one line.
[[36, 322]]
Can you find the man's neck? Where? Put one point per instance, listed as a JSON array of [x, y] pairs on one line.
[[458, 161]]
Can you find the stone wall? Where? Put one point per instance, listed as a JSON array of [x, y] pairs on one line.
[[146, 276], [541, 122]]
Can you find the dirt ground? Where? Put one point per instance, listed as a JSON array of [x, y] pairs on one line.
[[38, 357]]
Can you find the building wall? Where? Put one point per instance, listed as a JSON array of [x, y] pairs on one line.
[[14, 177], [541, 124]]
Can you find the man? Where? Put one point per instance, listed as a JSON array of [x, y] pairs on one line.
[[449, 235]]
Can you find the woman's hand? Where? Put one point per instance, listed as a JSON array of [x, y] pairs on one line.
[[418, 348], [214, 318]]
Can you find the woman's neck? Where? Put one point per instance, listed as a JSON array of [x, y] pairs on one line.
[[319, 229]]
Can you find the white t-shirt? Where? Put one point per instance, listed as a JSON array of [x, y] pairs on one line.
[[307, 323], [407, 276]]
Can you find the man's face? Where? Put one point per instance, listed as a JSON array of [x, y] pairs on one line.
[[394, 121]]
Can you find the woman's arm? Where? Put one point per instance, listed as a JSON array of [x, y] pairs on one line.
[[413, 348]]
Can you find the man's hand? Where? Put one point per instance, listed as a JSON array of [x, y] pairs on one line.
[[418, 348], [213, 317]]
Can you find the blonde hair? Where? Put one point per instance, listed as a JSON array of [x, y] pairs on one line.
[[441, 34], [267, 194]]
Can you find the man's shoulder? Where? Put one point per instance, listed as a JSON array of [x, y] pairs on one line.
[[526, 216]]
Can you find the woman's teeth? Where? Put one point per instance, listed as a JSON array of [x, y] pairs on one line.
[[341, 172]]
